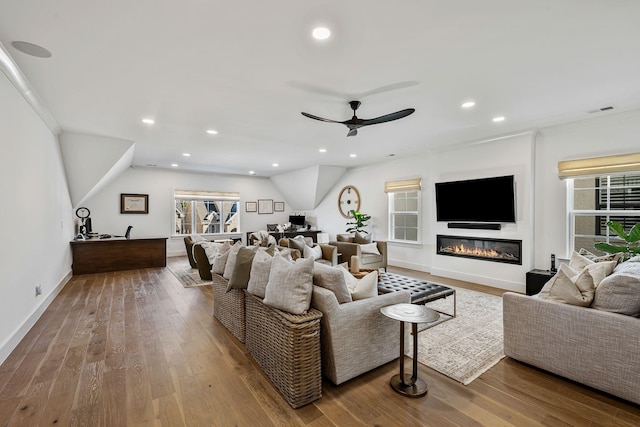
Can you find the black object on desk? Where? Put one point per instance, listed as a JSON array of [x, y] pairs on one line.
[[536, 280]]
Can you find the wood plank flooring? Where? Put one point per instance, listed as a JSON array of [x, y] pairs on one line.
[[135, 348]]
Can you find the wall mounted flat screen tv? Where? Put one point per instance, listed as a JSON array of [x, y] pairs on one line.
[[477, 200]]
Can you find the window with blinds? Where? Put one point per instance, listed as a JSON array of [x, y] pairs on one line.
[[206, 212]]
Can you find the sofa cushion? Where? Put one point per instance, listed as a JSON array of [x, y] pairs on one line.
[[370, 259], [620, 292], [361, 238], [570, 287], [242, 269], [290, 285], [221, 257], [231, 260], [370, 248], [210, 249], [259, 277], [312, 252], [344, 238], [332, 278]]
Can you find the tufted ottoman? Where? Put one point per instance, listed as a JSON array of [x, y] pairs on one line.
[[421, 292]]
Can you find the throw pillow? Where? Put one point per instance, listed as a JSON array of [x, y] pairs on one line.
[[210, 249], [259, 276], [242, 269], [290, 285], [620, 292], [578, 262], [231, 260], [370, 248], [344, 238], [297, 244], [361, 238], [221, 257], [312, 252], [332, 278], [570, 287], [602, 258], [366, 287]]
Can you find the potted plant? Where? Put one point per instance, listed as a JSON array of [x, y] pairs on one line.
[[632, 239], [359, 222]]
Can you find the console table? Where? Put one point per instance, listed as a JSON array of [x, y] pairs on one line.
[[114, 254], [306, 233]]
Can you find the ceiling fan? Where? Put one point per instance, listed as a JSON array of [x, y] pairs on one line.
[[354, 122]]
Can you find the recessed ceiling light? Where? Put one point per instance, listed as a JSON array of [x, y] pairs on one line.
[[321, 33], [148, 121], [498, 119], [252, 172], [31, 49], [212, 131], [468, 104], [275, 165], [322, 150], [353, 155], [174, 165], [186, 154]]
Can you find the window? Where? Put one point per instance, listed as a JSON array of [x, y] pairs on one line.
[[205, 212], [596, 200], [404, 216]]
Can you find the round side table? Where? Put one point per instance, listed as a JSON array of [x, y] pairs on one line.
[[414, 314]]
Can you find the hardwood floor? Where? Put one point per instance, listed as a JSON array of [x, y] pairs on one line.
[[136, 348]]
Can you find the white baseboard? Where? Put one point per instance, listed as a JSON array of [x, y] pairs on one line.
[[482, 280], [408, 265], [21, 332]]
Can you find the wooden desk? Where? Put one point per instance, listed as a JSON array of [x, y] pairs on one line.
[[114, 254], [306, 233]]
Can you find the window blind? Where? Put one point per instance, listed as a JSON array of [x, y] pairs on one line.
[[599, 165], [404, 185]]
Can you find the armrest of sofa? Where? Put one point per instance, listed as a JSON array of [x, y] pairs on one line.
[[594, 347], [356, 337], [330, 253], [347, 250], [382, 248]]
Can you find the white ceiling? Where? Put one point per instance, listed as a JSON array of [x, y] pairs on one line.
[[248, 68]]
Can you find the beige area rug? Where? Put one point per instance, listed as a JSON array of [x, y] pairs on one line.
[[189, 277], [468, 345]]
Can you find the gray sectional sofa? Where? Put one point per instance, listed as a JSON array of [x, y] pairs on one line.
[[598, 345]]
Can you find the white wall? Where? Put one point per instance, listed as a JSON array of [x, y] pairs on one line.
[[36, 216], [160, 184]]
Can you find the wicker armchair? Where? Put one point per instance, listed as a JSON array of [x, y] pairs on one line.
[[287, 348], [355, 336]]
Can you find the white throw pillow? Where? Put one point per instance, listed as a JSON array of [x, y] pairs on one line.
[[312, 252], [220, 260], [260, 269], [210, 249], [231, 260], [366, 287], [370, 248], [290, 285]]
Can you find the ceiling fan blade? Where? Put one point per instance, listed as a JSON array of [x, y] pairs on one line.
[[352, 132], [388, 117], [311, 116]]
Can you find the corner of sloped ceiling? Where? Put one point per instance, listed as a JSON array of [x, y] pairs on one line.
[[91, 162], [304, 189]]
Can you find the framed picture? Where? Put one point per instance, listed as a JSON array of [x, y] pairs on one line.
[[134, 203], [278, 206], [251, 207], [265, 206]]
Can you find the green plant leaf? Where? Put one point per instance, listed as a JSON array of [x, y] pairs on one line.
[[608, 248], [634, 234], [617, 228]]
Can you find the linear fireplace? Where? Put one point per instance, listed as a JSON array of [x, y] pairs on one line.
[[484, 248]]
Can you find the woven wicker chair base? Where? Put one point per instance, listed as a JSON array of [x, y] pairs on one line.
[[287, 348], [228, 307]]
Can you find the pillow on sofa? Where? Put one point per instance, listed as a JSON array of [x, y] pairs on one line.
[[620, 292], [332, 278], [259, 276], [242, 268], [361, 238], [290, 285], [570, 287], [344, 238], [220, 260], [297, 244], [210, 249], [231, 260], [365, 287], [370, 248], [596, 258], [312, 252]]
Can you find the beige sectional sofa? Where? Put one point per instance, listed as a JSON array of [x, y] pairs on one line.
[[597, 345]]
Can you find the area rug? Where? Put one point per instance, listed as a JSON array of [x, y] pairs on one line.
[[467, 345], [189, 277]]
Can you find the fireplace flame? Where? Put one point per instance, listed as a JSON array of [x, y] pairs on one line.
[[487, 253]]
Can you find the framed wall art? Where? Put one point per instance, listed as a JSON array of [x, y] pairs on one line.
[[265, 206], [251, 207], [278, 206], [134, 203]]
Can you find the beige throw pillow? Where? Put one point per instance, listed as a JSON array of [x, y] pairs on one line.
[[290, 285], [370, 248], [570, 287], [259, 277], [312, 252], [332, 278], [362, 238], [220, 260], [231, 260]]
